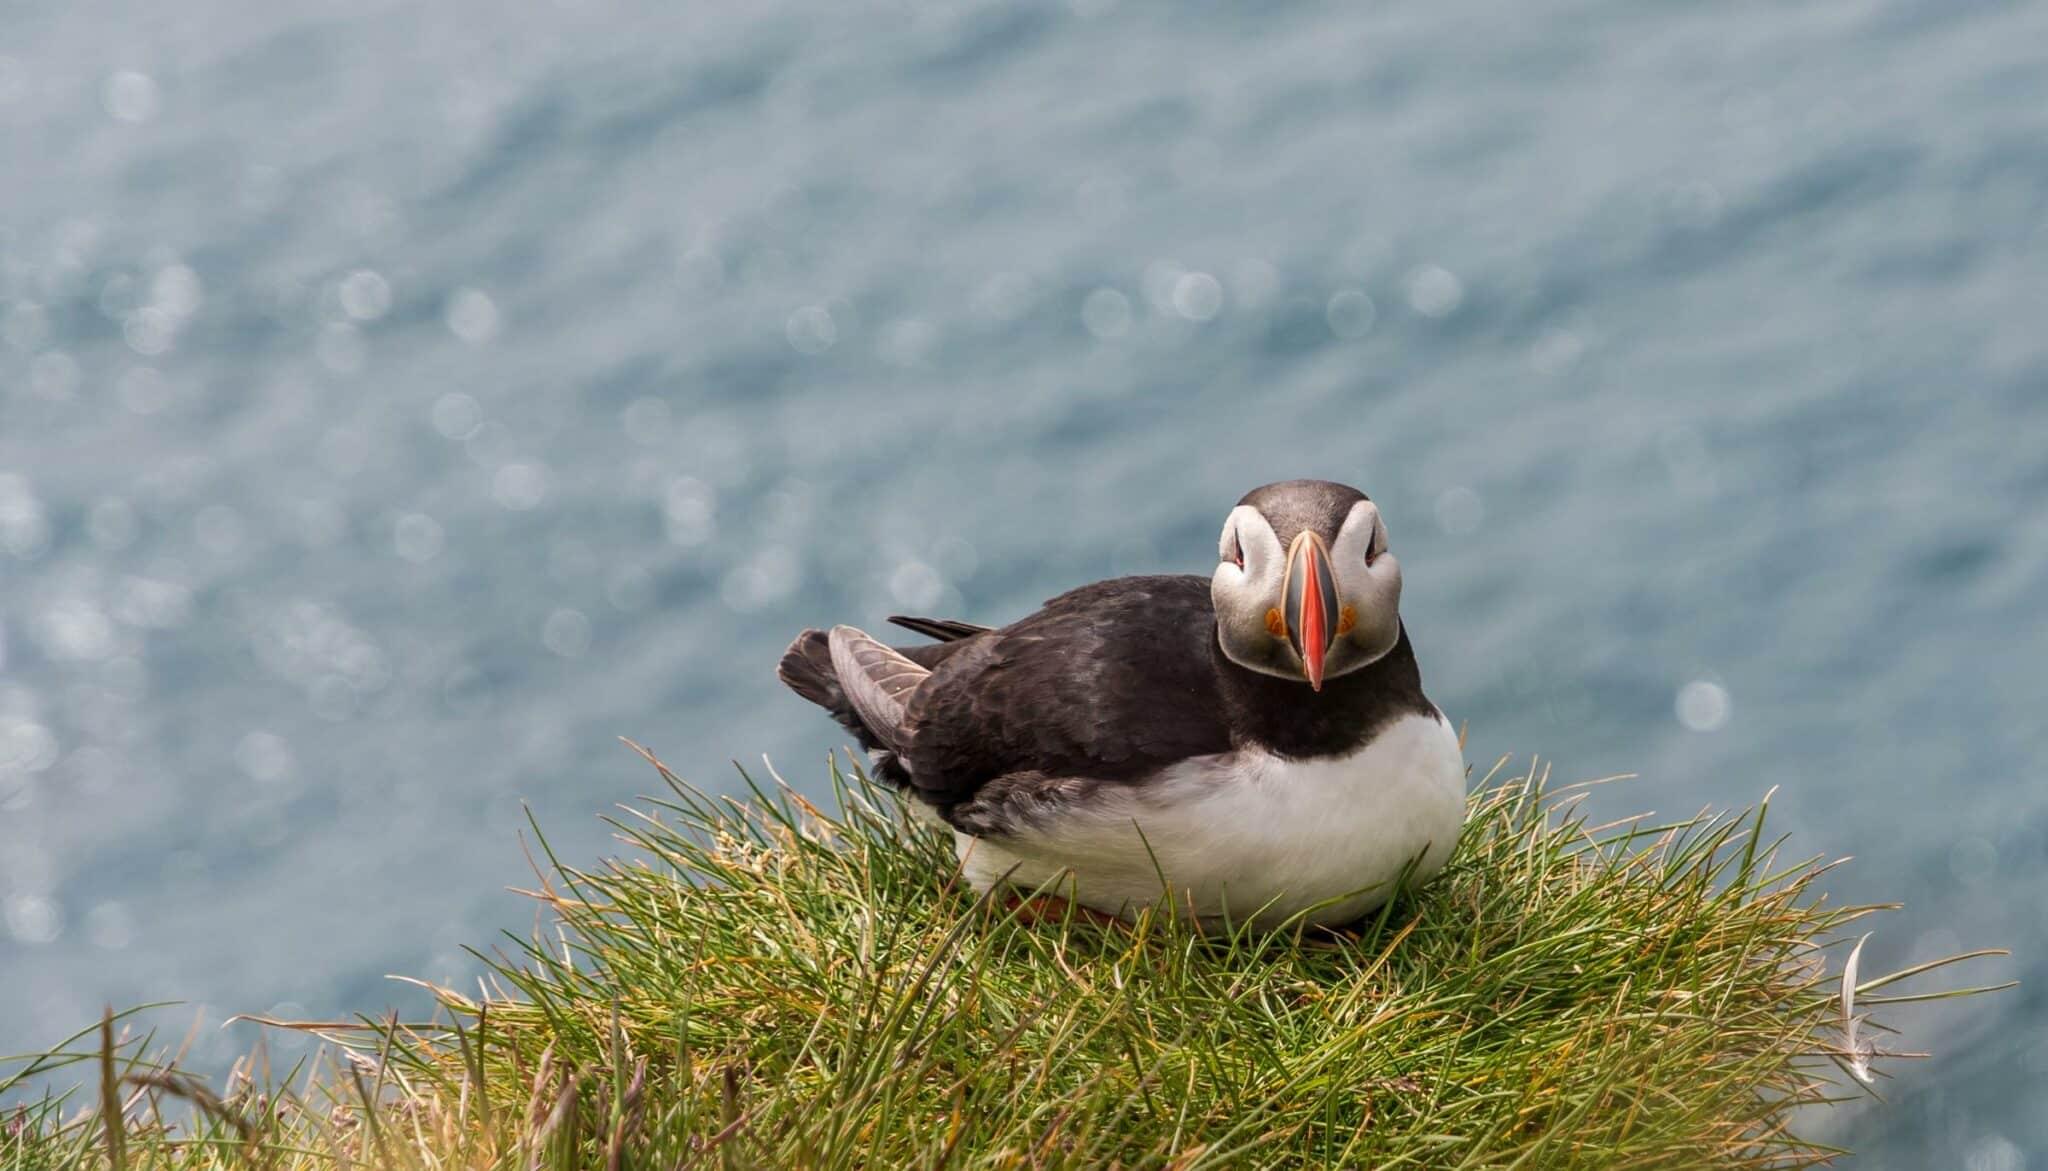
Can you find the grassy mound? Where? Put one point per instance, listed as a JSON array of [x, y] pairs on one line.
[[769, 985]]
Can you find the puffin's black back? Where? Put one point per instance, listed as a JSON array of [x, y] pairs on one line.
[[1111, 681], [1108, 683]]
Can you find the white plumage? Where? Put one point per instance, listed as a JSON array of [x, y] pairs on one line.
[[1251, 836]]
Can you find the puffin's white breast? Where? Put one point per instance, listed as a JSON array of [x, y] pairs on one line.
[[1250, 835]]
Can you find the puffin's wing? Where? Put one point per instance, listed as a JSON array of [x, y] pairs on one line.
[[942, 629], [1110, 682], [878, 681]]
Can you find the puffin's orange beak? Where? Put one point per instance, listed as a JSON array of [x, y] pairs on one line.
[[1310, 603]]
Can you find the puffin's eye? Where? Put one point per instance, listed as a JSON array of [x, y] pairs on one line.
[[1377, 544], [1232, 551]]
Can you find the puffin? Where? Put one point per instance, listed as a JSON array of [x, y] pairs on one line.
[[1250, 748]]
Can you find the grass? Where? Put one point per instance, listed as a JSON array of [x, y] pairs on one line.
[[765, 984]]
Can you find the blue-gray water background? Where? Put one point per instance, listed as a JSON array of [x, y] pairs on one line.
[[399, 402]]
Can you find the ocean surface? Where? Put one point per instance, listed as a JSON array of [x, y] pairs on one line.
[[400, 402]]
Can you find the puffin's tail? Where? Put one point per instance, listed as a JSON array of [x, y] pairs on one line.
[[806, 668]]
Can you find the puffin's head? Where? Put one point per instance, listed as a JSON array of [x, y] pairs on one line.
[[1306, 588]]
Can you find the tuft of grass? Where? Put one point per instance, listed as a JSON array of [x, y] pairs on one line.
[[766, 984]]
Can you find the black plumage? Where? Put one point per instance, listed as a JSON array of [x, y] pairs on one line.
[[1107, 684], [942, 629]]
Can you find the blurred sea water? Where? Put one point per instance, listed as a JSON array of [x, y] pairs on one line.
[[399, 402]]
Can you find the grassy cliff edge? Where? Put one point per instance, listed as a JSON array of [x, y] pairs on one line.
[[765, 984]]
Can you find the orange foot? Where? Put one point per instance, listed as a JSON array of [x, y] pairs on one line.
[[1053, 909]]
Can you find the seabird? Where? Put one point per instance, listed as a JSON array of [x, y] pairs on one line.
[[1257, 742]]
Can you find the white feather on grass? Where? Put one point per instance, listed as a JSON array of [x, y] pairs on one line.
[[1859, 1053]]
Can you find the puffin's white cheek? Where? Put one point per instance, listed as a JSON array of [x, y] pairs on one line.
[[1384, 576]]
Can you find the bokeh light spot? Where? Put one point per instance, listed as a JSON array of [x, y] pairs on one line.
[[689, 509], [646, 420], [33, 919], [1106, 313], [265, 757], [1703, 706], [906, 343], [566, 633], [417, 537], [1197, 296], [456, 415], [472, 316], [811, 330], [365, 295], [1350, 313], [916, 585], [131, 96], [1434, 291], [520, 486], [629, 589]]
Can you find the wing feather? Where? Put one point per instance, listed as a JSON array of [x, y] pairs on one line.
[[1109, 682], [941, 629], [878, 682]]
